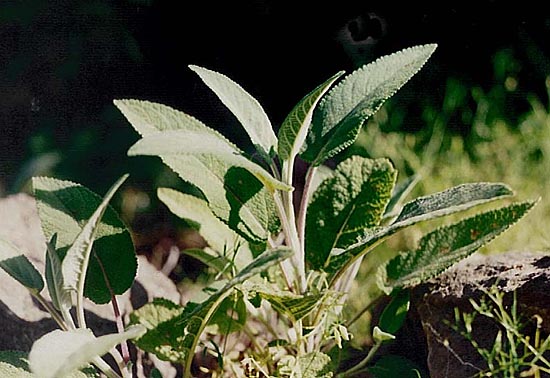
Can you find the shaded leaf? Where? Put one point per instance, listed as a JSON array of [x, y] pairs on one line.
[[293, 131], [61, 298], [345, 205], [15, 364], [59, 353], [231, 314], [447, 245], [296, 307], [341, 113], [187, 142], [64, 209], [18, 266], [234, 195], [228, 244], [245, 108], [175, 339], [391, 366], [394, 313]]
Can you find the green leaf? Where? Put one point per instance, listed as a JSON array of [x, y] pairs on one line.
[[15, 364], [228, 244], [450, 201], [13, 262], [296, 307], [187, 142], [231, 314], [313, 365], [75, 263], [245, 107], [395, 312], [175, 339], [400, 192], [293, 131], [391, 366], [64, 209], [345, 205], [341, 113], [61, 298], [447, 245], [247, 209], [62, 352]]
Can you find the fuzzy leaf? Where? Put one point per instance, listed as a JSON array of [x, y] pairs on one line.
[[345, 205], [450, 201], [400, 192], [187, 142], [293, 131], [341, 113], [447, 245], [59, 353], [296, 307], [175, 339], [246, 108], [313, 365], [15, 364], [228, 244], [64, 209], [13, 262], [61, 298], [247, 209]]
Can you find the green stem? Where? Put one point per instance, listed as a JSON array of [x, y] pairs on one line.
[[361, 365], [105, 368], [303, 205], [53, 312]]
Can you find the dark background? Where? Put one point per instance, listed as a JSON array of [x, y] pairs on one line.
[[63, 62]]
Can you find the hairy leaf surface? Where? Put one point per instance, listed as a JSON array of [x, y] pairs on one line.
[[346, 204], [341, 113], [235, 195], [293, 131], [447, 245], [450, 201], [246, 108], [64, 209], [18, 266]]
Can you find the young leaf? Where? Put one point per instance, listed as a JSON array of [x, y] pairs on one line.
[[341, 113], [216, 233], [344, 205], [64, 209], [76, 261], [447, 245], [296, 307], [61, 298], [313, 365], [187, 142], [293, 131], [176, 338], [59, 353], [245, 107], [394, 313], [15, 364], [13, 262], [247, 209], [450, 201]]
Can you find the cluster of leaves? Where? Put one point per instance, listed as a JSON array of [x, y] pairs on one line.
[[283, 270]]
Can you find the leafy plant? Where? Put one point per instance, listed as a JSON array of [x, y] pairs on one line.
[[309, 253], [513, 353]]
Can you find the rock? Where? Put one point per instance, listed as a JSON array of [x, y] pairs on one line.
[[23, 320], [450, 355]]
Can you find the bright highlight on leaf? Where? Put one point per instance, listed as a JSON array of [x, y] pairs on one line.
[[59, 353]]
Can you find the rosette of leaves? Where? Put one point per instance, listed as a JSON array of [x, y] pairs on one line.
[[247, 212]]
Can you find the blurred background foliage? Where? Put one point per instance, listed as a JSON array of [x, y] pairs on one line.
[[477, 112]]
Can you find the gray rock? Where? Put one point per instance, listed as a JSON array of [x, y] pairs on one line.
[[23, 320], [450, 355]]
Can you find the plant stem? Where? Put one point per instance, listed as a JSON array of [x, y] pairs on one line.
[[357, 368], [303, 205], [120, 329], [53, 312], [105, 368]]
